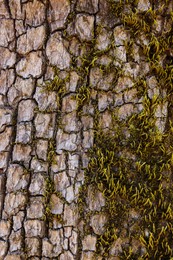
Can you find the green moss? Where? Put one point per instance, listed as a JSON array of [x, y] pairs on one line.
[[51, 151], [131, 164], [48, 191], [130, 172], [57, 84], [82, 97], [48, 215]]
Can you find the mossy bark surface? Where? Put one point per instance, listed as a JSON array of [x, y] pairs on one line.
[[86, 126]]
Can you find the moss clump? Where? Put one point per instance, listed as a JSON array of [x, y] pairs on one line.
[[51, 151], [49, 190], [131, 166], [57, 83], [82, 97]]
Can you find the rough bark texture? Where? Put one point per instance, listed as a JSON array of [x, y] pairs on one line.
[[85, 129]]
